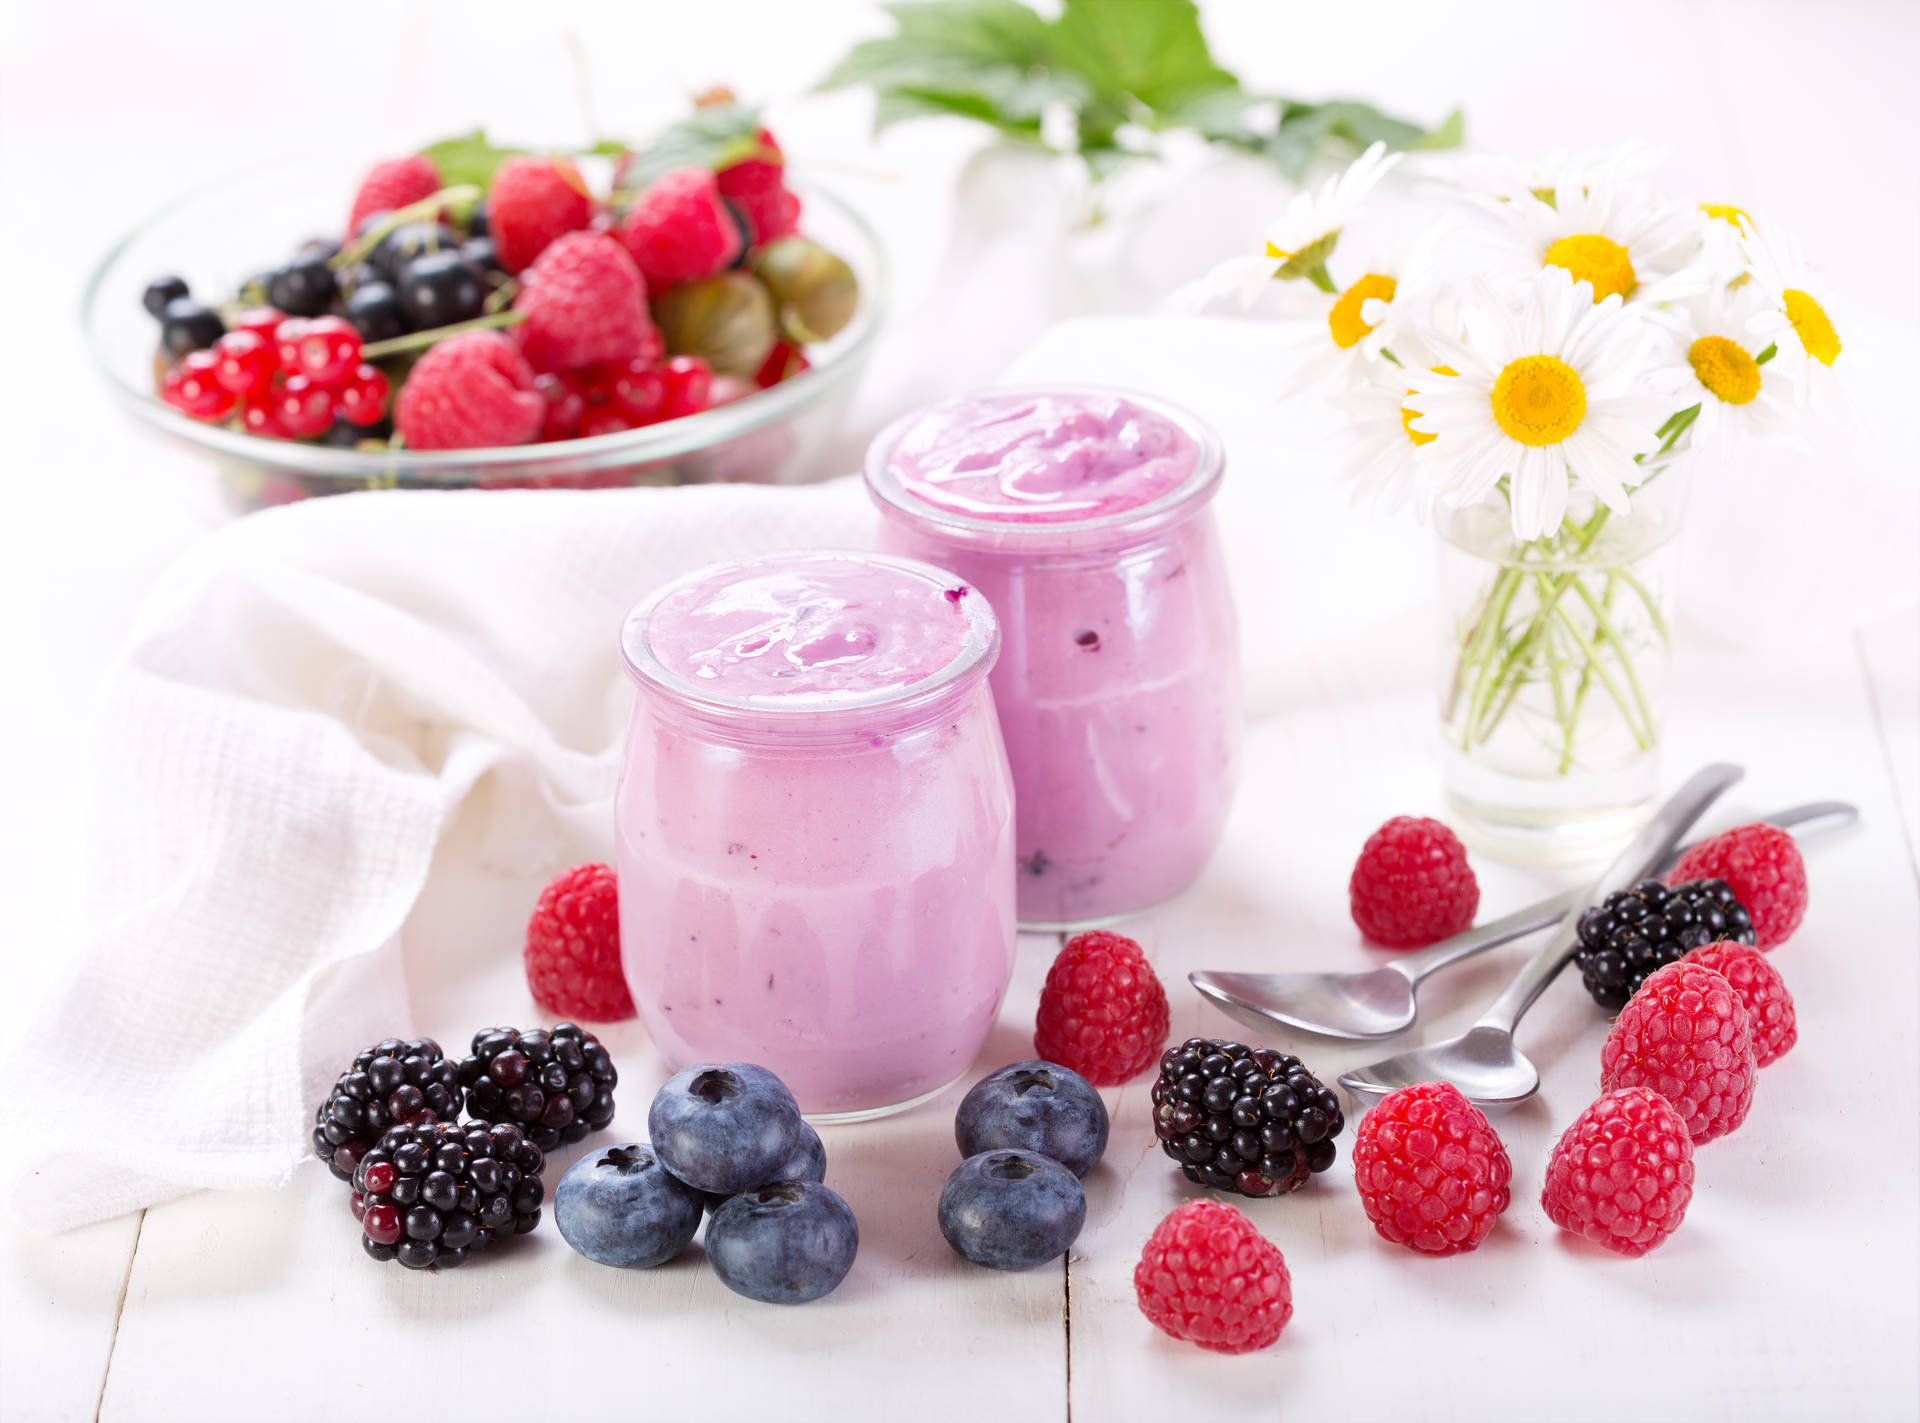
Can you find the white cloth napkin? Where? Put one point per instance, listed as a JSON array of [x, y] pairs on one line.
[[308, 698]]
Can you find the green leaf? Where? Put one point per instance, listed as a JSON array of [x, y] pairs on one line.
[[1151, 50], [1451, 133], [469, 158], [706, 138]]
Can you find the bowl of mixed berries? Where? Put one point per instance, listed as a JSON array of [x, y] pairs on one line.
[[472, 316]]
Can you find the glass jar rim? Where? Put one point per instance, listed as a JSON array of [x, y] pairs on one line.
[[972, 662], [1101, 530]]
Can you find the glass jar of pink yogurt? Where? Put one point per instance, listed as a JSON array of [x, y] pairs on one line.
[[1082, 514], [814, 826]]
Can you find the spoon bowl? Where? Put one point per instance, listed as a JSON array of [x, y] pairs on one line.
[[1377, 1004], [1483, 1063]]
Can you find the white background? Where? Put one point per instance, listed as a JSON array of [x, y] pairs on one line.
[[1805, 110]]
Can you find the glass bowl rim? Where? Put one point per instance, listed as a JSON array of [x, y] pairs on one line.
[[669, 439]]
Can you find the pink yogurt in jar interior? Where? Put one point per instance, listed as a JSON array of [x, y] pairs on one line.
[[814, 826], [1082, 514]]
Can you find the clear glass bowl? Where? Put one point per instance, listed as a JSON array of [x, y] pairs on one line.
[[219, 236]]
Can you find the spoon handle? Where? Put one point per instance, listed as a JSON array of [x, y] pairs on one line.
[[1656, 840], [1520, 923]]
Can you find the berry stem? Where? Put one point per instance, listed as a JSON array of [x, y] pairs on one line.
[[415, 340], [457, 200]]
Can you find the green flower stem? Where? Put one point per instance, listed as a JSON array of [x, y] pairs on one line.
[[1604, 624], [1647, 600], [1592, 654], [1572, 723]]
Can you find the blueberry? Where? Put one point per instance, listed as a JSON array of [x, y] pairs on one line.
[[408, 241], [786, 1243], [620, 1206], [1040, 1107], [186, 326], [159, 292], [808, 1163], [438, 289], [480, 254], [722, 1127], [304, 287], [1011, 1210], [374, 310]]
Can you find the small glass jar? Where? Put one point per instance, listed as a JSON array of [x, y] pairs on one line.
[[814, 826], [1118, 687], [1553, 673]]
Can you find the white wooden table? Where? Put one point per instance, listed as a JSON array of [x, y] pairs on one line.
[[1793, 1277]]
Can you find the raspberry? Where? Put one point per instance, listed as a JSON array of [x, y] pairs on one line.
[[585, 302], [1208, 1277], [679, 231], [1761, 989], [1622, 1174], [756, 187], [1412, 884], [1686, 1034], [391, 184], [1432, 1172], [532, 202], [1763, 867], [573, 947], [468, 392], [1102, 1011]]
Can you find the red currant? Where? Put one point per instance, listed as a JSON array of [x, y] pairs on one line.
[[565, 406], [363, 396], [245, 362], [190, 387], [689, 382], [639, 393], [259, 417], [305, 407], [325, 349], [783, 362], [262, 321], [602, 420]]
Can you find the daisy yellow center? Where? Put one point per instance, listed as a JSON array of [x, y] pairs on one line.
[[1539, 400], [1345, 321], [1812, 325], [1593, 258], [1408, 414], [1725, 368], [1727, 213]]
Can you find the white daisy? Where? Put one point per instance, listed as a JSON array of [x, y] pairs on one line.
[[1546, 393], [1713, 360], [1300, 241], [1622, 238], [1497, 179], [1380, 460], [1792, 317], [1347, 329]]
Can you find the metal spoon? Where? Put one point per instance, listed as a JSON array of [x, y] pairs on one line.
[[1483, 1062], [1378, 1003]]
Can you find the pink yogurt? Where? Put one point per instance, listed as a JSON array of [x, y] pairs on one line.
[[814, 826], [1082, 514]]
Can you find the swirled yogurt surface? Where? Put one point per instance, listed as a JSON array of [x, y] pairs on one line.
[[1026, 457], [815, 631]]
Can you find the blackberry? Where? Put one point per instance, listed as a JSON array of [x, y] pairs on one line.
[[433, 1194], [389, 1083], [558, 1085], [1632, 933], [1243, 1119]]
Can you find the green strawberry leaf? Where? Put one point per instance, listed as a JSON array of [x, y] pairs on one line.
[[707, 138], [469, 158]]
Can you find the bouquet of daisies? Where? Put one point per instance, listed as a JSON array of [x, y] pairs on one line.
[[1529, 367]]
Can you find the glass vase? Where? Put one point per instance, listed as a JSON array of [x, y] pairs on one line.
[[1555, 655]]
